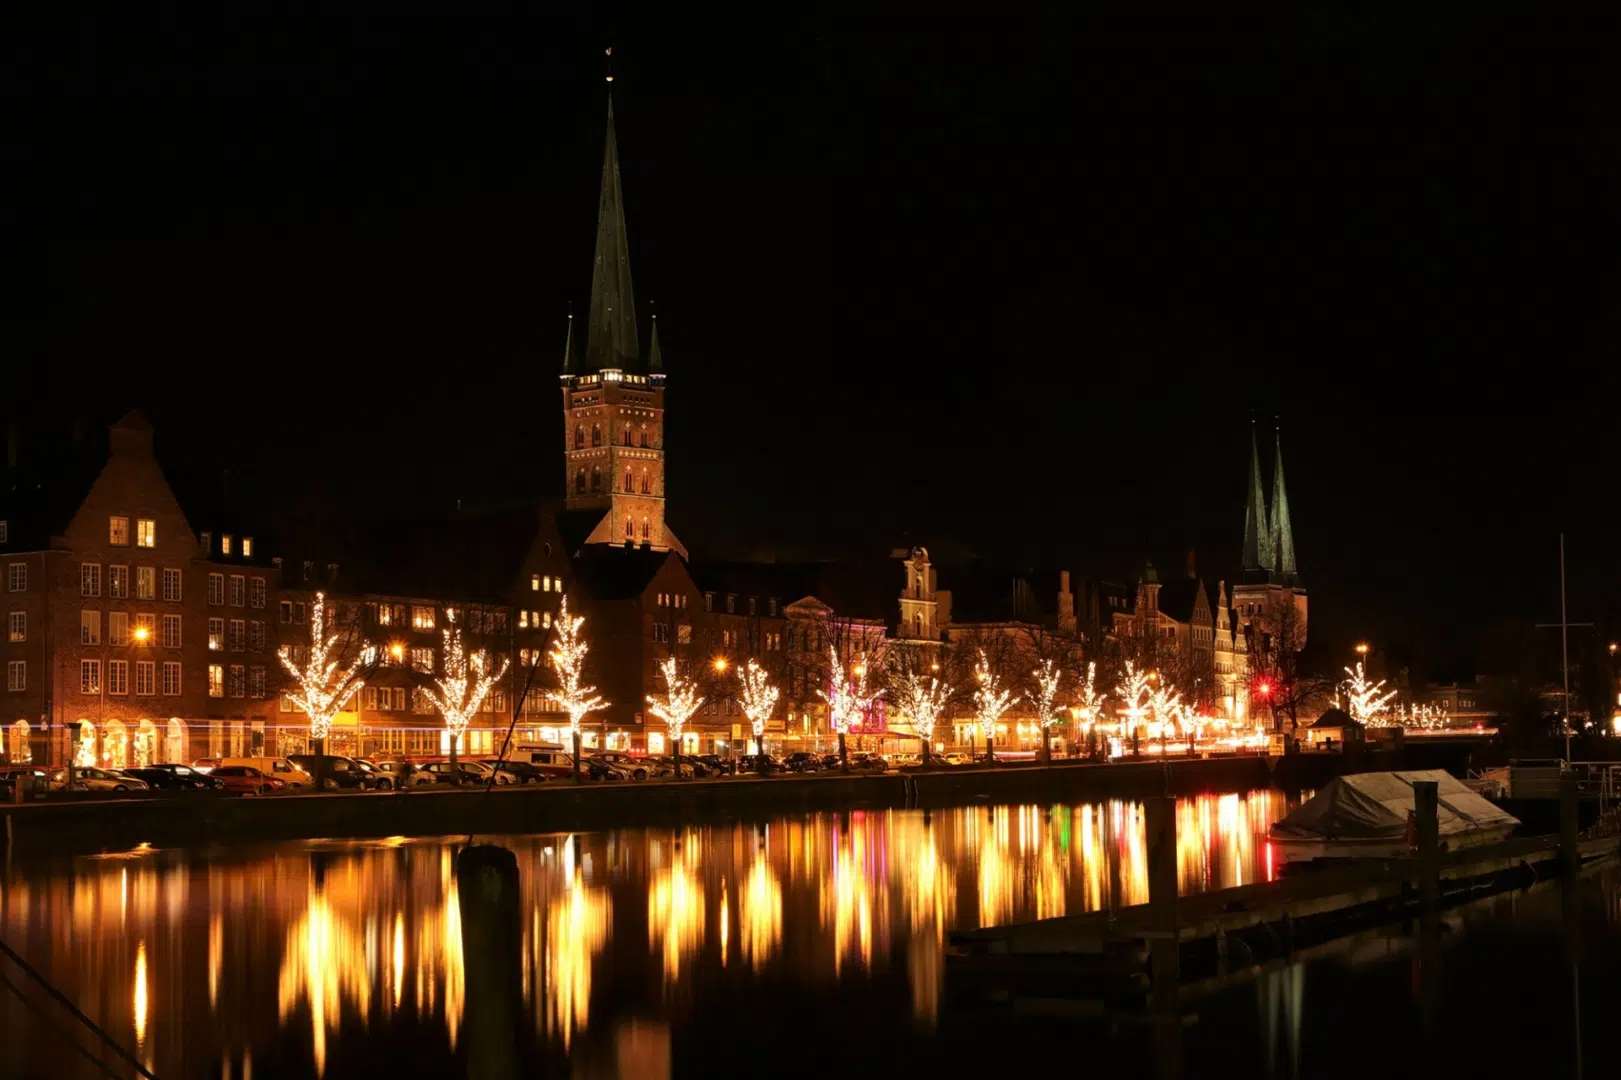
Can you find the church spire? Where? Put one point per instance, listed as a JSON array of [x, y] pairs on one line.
[[571, 366], [655, 358], [611, 331], [1257, 542], [1283, 535]]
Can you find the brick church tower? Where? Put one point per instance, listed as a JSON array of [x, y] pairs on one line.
[[613, 401]]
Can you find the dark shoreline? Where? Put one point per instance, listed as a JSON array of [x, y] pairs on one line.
[[96, 826]]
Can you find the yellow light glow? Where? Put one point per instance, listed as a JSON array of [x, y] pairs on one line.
[[141, 633], [577, 927], [760, 913], [675, 916], [720, 664], [140, 995], [396, 650]]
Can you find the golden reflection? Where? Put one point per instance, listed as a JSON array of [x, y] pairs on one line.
[[140, 995], [1052, 884], [995, 883], [577, 928], [760, 913], [399, 956], [849, 905], [675, 915], [323, 961], [725, 922], [216, 943]]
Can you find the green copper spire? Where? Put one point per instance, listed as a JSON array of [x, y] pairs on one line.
[[1283, 535], [611, 334], [1257, 542]]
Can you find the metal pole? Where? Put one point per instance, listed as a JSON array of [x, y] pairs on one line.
[[1564, 643]]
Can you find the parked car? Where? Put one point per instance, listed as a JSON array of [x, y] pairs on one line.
[[717, 765], [868, 762], [750, 763], [95, 779], [332, 772], [42, 781], [380, 780], [207, 764], [404, 774], [600, 769], [471, 772], [189, 777], [248, 780], [521, 771], [553, 761], [164, 780], [279, 767], [639, 768], [802, 762]]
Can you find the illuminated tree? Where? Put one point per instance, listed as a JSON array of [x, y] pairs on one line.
[[680, 700], [1133, 693], [758, 699], [1045, 702], [1364, 700], [1089, 700], [568, 657], [923, 698], [324, 682], [991, 701], [461, 690], [848, 698]]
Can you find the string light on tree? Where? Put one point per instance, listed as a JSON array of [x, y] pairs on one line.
[[466, 682], [1365, 701], [923, 698], [680, 700], [568, 654], [1045, 701], [758, 699], [1089, 702], [848, 699], [1165, 705], [991, 701], [324, 683], [1133, 693]]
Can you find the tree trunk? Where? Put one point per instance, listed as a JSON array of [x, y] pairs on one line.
[[844, 757], [761, 757], [926, 749], [319, 746], [1046, 744], [455, 765], [990, 751], [576, 761]]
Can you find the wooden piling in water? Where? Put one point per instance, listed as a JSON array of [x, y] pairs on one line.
[[487, 893], [1570, 857], [1426, 808]]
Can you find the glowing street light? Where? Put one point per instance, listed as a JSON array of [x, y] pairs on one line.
[[142, 633], [720, 664]]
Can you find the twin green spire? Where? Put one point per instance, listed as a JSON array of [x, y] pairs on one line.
[[1269, 543]]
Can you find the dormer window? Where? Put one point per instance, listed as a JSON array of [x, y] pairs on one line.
[[225, 544], [247, 547]]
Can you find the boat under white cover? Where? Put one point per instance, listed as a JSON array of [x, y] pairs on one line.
[[1364, 816]]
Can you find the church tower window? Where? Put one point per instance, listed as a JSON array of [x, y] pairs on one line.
[[596, 479], [579, 482], [596, 434], [630, 529], [630, 482], [647, 530], [579, 435], [647, 483]]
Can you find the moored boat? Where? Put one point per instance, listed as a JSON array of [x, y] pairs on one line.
[[1366, 815]]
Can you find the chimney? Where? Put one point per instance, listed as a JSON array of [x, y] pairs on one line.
[[1191, 572]]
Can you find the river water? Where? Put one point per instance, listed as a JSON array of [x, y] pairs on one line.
[[806, 945]]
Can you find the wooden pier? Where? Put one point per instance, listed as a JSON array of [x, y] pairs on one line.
[[1142, 955]]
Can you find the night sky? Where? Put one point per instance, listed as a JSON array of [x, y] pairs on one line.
[[1016, 293]]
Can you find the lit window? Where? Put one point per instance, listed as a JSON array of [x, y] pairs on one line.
[[422, 617], [546, 583], [146, 583], [89, 676], [216, 680], [523, 620], [146, 532], [247, 547], [89, 628], [385, 615], [534, 582], [422, 660], [118, 531], [18, 626]]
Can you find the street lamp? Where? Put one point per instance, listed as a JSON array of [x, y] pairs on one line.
[[720, 665], [1362, 649]]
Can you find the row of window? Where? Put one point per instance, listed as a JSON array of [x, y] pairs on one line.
[[227, 543], [249, 634], [119, 631], [596, 482], [545, 583], [624, 440], [235, 680], [146, 532], [146, 579], [242, 588], [731, 604], [538, 620], [118, 677], [675, 600]]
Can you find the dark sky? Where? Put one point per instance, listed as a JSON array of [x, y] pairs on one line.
[[1016, 291]]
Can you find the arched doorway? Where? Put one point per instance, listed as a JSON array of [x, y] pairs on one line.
[[86, 753], [19, 752], [174, 749], [115, 745], [146, 744]]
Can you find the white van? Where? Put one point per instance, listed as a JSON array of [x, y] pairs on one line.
[[279, 767]]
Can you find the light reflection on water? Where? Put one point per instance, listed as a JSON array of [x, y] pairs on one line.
[[351, 938]]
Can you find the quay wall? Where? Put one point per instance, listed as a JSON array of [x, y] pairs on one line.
[[92, 825]]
